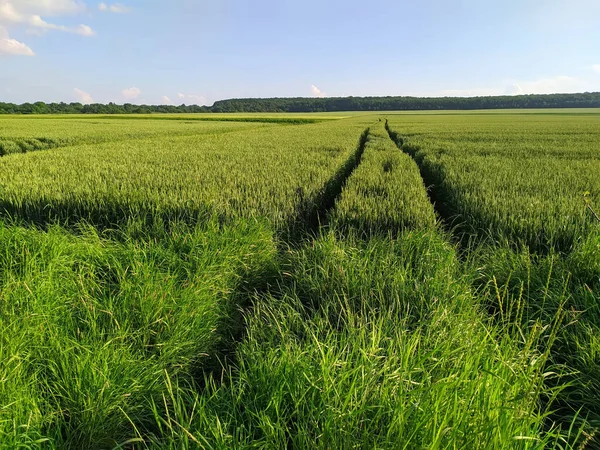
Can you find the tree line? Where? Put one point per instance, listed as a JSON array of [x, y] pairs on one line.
[[582, 100], [96, 108]]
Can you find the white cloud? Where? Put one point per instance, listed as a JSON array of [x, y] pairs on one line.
[[13, 47], [553, 85], [8, 13], [83, 30], [40, 24], [549, 85], [166, 100], [49, 7], [596, 68], [117, 8], [28, 13], [197, 99], [316, 92], [478, 92], [82, 96], [131, 93], [514, 89]]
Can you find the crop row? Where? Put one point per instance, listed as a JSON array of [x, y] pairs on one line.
[[19, 135], [277, 172], [369, 344], [8, 147], [386, 193], [520, 181]]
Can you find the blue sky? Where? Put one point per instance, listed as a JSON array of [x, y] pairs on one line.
[[197, 51]]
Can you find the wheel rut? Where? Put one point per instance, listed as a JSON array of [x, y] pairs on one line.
[[313, 213], [432, 184]]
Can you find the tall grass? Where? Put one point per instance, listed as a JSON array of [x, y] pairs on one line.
[[368, 344], [91, 326], [544, 286], [177, 318], [519, 185]]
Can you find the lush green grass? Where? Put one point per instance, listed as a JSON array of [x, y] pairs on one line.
[[91, 327], [523, 287], [172, 313], [370, 345], [518, 182]]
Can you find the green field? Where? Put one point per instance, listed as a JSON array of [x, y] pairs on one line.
[[361, 280]]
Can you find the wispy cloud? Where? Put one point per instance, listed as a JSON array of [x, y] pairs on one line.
[[12, 47], [552, 85], [596, 68], [514, 89], [166, 100], [131, 93], [27, 15], [41, 25], [116, 8], [9, 14], [83, 96], [547, 85], [316, 92], [83, 30], [50, 7], [196, 99]]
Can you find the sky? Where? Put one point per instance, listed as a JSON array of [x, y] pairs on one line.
[[200, 51]]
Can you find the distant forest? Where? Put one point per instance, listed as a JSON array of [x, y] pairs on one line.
[[274, 105]]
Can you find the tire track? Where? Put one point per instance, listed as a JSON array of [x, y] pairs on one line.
[[313, 213], [432, 183]]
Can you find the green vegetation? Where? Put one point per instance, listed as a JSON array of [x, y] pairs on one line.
[[279, 105], [522, 187], [241, 173], [429, 281], [525, 287], [75, 130], [370, 345], [517, 179], [585, 100], [386, 193], [91, 327]]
